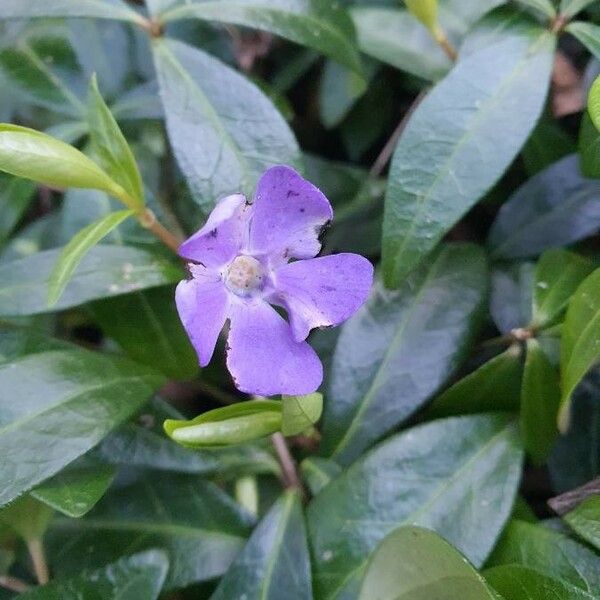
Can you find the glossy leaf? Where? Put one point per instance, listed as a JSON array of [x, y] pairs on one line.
[[433, 184], [73, 397], [589, 148], [300, 413], [557, 275], [413, 563], [594, 103], [318, 24], [540, 399], [416, 337], [222, 141], [580, 343], [111, 148], [494, 386], [569, 8], [585, 520], [275, 562], [130, 578], [96, 9], [34, 155], [27, 517], [426, 476], [588, 34], [74, 252], [16, 196], [511, 298], [555, 208], [198, 525], [105, 271]]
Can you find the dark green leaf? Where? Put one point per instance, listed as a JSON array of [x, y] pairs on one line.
[[318, 24], [547, 144], [199, 526], [429, 476], [589, 148], [511, 297], [318, 472], [544, 6], [430, 187], [68, 402], [496, 385], [588, 34], [27, 517], [413, 563], [417, 337], [223, 141], [275, 563], [105, 271], [300, 413], [17, 342], [15, 197], [130, 578], [585, 520], [96, 9], [555, 208]]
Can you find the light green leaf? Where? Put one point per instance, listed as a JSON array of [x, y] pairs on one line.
[[430, 185], [540, 399], [594, 103], [429, 476], [413, 563], [570, 8], [96, 9], [580, 343], [34, 155], [275, 562], [318, 24], [130, 578], [373, 387], [425, 11], [27, 517], [222, 141], [73, 253], [111, 148], [200, 527], [544, 6], [16, 196], [557, 275], [589, 147], [588, 34], [68, 402], [105, 271], [585, 520], [300, 413]]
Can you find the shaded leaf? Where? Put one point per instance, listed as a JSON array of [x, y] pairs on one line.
[[589, 148], [27, 517], [318, 472], [16, 196], [588, 34], [511, 298], [585, 520], [544, 6], [570, 8]]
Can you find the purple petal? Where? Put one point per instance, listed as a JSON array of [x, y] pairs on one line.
[[202, 303], [289, 214], [323, 291], [222, 236], [263, 357]]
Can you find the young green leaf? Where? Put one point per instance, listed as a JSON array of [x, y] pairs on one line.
[[73, 253], [588, 34], [569, 8], [594, 103], [424, 10], [589, 147], [300, 413], [28, 517], [111, 148], [585, 520]]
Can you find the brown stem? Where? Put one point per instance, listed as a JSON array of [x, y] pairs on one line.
[[569, 500], [289, 472], [13, 584], [444, 43], [149, 221], [559, 23], [36, 551], [386, 153]]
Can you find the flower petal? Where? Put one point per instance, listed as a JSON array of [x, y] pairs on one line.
[[323, 291], [222, 236], [263, 357], [289, 214], [202, 303]]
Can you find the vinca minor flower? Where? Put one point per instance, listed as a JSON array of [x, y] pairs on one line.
[[248, 257]]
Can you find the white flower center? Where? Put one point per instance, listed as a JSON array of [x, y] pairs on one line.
[[244, 275]]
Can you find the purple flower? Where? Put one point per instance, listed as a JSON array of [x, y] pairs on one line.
[[241, 265]]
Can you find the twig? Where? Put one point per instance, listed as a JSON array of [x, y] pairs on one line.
[[149, 221], [386, 153], [444, 43], [569, 500], [13, 584], [36, 551], [289, 473]]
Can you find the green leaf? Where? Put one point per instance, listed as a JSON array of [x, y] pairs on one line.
[[547, 144], [74, 252], [580, 343], [318, 472], [222, 141], [16, 196], [594, 103], [198, 525], [589, 147], [34, 155], [496, 385], [76, 490], [555, 208], [130, 578], [520, 583], [427, 476], [111, 148], [540, 399], [105, 271], [96, 9], [429, 187], [570, 8], [588, 34], [146, 325], [275, 562], [512, 295], [318, 24], [68, 402], [426, 11], [549, 552], [413, 563], [557, 275], [228, 425], [300, 413], [373, 387], [27, 517], [17, 342], [585, 520], [544, 6]]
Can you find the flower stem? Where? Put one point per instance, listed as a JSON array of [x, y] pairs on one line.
[[439, 35], [289, 472], [36, 551], [149, 221], [13, 584]]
